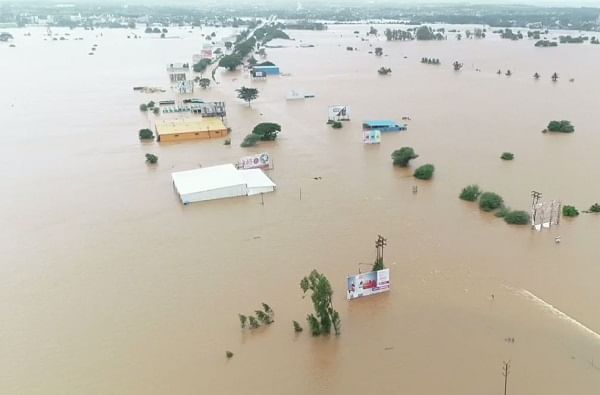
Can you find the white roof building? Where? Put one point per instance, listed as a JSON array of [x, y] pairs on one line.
[[218, 182]]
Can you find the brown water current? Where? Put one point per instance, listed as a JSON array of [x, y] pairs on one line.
[[109, 285]]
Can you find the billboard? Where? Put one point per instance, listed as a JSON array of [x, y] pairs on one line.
[[259, 161], [366, 284], [372, 136], [339, 113]]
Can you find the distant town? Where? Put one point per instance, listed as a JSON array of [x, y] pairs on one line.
[[313, 17]]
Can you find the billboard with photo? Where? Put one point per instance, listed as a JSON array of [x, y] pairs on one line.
[[339, 113], [366, 284], [259, 161]]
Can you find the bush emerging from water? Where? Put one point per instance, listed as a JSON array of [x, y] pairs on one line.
[[424, 172], [151, 159], [561, 126], [517, 217], [336, 124], [490, 201], [595, 208], [402, 156], [267, 131], [250, 140], [143, 107], [507, 156], [502, 212], [228, 354], [570, 211], [146, 134], [470, 193], [297, 327]]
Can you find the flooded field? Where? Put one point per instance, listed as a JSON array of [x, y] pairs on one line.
[[109, 285]]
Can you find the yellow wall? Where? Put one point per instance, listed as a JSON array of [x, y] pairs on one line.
[[193, 135]]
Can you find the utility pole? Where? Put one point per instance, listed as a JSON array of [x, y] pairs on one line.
[[379, 244], [505, 373], [535, 197]]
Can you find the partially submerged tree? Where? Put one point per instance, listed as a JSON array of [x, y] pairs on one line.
[[201, 66], [424, 172], [253, 322], [325, 317], [403, 156], [247, 94], [507, 156], [243, 320], [297, 327], [151, 159], [378, 51], [267, 131], [204, 83], [517, 217], [470, 193], [570, 211], [561, 126], [230, 62], [595, 208], [146, 134], [457, 66], [490, 201]]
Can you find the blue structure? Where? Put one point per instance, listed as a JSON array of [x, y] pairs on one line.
[[265, 70], [385, 125]]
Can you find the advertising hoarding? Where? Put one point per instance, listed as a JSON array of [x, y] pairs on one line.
[[366, 284], [259, 161], [339, 113]]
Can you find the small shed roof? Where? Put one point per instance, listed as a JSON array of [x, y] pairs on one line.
[[188, 125], [207, 179], [381, 122], [256, 178]]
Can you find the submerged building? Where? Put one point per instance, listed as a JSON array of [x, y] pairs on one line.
[[189, 129], [219, 182], [384, 125]]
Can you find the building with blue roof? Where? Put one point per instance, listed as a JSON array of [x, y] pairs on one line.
[[384, 125]]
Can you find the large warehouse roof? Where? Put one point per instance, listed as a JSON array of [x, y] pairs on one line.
[[207, 179]]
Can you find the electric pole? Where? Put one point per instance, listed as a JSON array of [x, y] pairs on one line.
[[505, 373]]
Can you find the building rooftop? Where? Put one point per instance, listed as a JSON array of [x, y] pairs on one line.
[[380, 122], [188, 125], [207, 178]]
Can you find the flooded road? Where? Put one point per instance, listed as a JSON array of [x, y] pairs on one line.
[[109, 285]]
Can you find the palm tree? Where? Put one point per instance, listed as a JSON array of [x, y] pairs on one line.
[[536, 76], [554, 77]]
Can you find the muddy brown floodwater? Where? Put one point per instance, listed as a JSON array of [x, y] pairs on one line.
[[109, 285]]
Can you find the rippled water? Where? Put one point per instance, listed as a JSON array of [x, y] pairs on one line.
[[109, 285]]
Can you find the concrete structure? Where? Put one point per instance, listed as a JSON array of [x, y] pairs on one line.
[[189, 129], [372, 136], [383, 125], [265, 70], [219, 182]]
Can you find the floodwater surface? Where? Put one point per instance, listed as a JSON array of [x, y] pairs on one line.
[[109, 285]]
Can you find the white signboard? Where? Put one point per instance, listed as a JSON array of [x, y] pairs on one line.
[[366, 284], [339, 113], [372, 136], [259, 161]]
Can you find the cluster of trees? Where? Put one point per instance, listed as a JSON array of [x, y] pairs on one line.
[[426, 33], [509, 34], [201, 66], [266, 131], [384, 70], [490, 201], [268, 33], [305, 25], [155, 30], [147, 106], [560, 126], [594, 40], [325, 317], [546, 43], [457, 66], [569, 211], [398, 35], [430, 60], [202, 82], [572, 40], [263, 317], [535, 34], [595, 208], [401, 157]]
